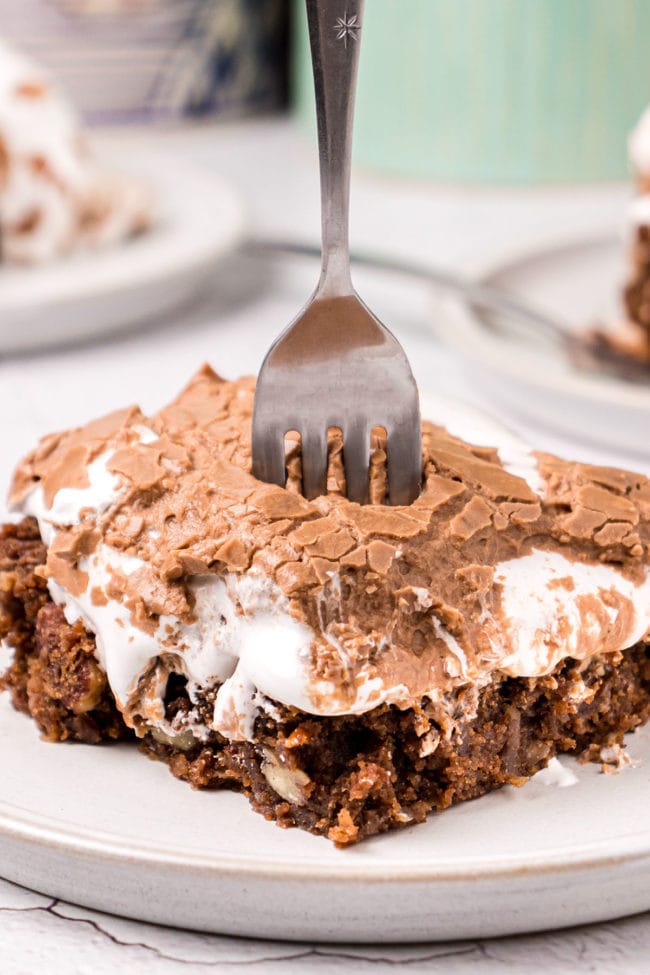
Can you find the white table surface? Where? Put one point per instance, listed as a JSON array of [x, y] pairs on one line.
[[463, 229]]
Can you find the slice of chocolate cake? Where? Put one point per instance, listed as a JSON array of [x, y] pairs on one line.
[[349, 668], [631, 338]]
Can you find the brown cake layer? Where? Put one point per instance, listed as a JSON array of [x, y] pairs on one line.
[[636, 295], [54, 675], [346, 777]]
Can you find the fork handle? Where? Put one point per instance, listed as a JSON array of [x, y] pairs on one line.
[[335, 38]]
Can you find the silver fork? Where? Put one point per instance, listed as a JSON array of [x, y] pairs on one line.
[[336, 365]]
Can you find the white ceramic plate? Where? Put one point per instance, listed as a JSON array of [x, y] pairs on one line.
[[199, 219], [104, 827], [579, 284]]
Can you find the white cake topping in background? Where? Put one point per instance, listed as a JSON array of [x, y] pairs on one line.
[[639, 144], [53, 196], [639, 210]]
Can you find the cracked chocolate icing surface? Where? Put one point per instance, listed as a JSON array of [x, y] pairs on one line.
[[177, 559]]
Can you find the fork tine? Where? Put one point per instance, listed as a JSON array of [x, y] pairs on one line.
[[404, 451], [356, 459], [314, 462], [268, 454]]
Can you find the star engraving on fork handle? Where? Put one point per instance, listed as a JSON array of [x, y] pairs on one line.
[[346, 27]]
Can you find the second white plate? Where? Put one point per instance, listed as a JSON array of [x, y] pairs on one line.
[[579, 284]]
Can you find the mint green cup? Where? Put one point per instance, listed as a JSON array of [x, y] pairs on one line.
[[495, 91]]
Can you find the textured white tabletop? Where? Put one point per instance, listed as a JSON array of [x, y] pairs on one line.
[[466, 229]]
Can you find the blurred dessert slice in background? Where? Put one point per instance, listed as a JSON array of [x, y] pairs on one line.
[[624, 345], [55, 198], [637, 290]]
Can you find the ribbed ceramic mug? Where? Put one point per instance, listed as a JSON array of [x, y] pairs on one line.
[[515, 91]]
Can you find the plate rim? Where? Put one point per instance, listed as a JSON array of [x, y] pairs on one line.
[[98, 844]]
